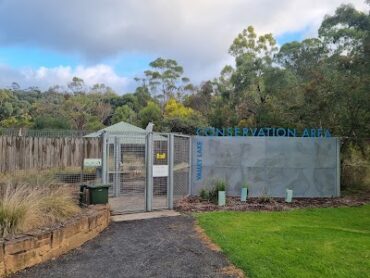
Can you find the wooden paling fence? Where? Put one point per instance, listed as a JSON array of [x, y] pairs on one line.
[[27, 153]]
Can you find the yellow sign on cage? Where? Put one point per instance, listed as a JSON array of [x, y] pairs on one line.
[[161, 155]]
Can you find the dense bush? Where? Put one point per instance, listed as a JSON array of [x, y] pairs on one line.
[[355, 169]]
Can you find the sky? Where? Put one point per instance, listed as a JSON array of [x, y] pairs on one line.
[[48, 42]]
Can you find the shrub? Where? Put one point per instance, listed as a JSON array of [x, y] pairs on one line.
[[265, 198], [204, 194], [355, 169], [220, 185], [211, 195]]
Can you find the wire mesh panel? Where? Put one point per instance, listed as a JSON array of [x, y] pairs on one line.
[[181, 168], [160, 171], [146, 170], [126, 171], [110, 166]]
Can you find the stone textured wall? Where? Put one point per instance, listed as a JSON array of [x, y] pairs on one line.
[[37, 247], [270, 165]]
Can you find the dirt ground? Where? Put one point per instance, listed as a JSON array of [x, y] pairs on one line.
[[160, 247], [195, 204]]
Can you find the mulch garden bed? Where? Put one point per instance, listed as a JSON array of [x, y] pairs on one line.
[[195, 204]]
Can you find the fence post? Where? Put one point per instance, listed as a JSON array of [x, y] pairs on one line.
[[149, 171], [104, 158], [190, 138], [82, 161], [171, 140], [338, 167], [117, 160]]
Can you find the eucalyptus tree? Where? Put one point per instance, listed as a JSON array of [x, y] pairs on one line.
[[347, 32], [77, 85], [166, 79], [248, 95]]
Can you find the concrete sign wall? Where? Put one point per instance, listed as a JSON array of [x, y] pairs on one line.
[[270, 165]]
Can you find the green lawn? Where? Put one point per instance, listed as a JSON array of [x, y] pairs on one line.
[[327, 242]]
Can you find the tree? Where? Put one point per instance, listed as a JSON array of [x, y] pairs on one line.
[[102, 89], [14, 111], [151, 113], [94, 123], [166, 79], [301, 89], [143, 96], [346, 30], [348, 34], [302, 57], [101, 107], [247, 43], [253, 57], [78, 109], [178, 118], [327, 78], [50, 122], [244, 88], [174, 108], [77, 85], [124, 113], [201, 99]]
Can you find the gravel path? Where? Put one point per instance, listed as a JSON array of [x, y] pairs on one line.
[[162, 247]]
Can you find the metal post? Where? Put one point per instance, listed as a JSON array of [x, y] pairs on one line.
[[117, 159], [104, 158], [190, 166], [149, 171], [171, 140], [82, 162], [338, 167]]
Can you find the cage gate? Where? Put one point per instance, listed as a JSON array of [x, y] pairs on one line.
[[146, 171]]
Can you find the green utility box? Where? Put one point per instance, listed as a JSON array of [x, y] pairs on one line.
[[98, 194]]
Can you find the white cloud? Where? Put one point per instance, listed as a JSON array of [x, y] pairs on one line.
[[46, 77], [197, 33]]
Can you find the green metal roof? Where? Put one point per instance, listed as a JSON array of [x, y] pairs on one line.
[[121, 127]]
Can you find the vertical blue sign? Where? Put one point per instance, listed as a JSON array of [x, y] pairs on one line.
[[199, 160]]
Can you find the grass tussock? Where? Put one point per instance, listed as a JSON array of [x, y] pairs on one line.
[[28, 202], [58, 204], [211, 194], [33, 178]]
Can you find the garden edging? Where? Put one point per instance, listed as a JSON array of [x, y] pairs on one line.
[[33, 248]]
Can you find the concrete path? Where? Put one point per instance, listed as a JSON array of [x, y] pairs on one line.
[[135, 202], [159, 247], [144, 215]]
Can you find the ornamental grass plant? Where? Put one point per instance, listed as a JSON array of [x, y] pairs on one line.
[[211, 194], [28, 202]]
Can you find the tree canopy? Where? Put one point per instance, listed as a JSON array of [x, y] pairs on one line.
[[319, 82]]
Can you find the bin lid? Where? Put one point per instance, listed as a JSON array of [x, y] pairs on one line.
[[92, 186]]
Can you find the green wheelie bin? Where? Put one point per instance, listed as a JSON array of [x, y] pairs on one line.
[[98, 193]]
